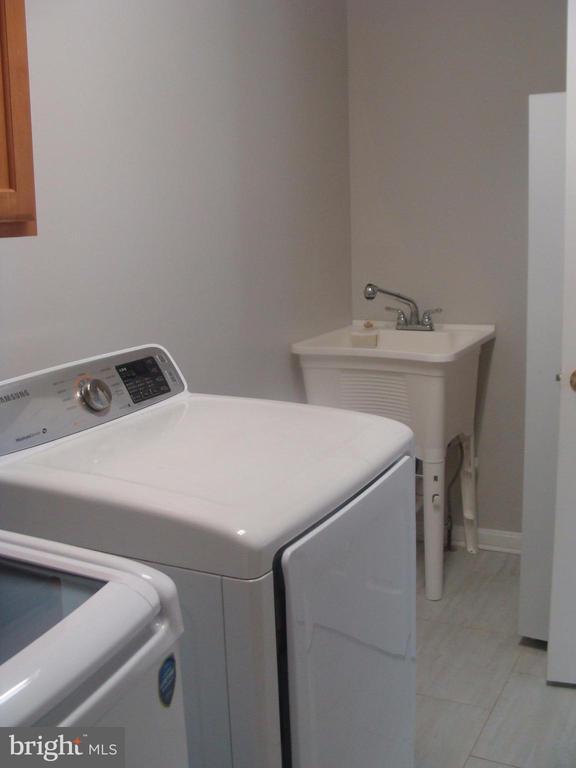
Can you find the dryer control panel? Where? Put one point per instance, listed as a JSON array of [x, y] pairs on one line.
[[57, 402]]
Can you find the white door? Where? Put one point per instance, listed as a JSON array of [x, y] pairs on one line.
[[350, 615], [547, 190], [562, 642]]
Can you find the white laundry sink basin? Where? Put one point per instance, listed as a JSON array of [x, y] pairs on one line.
[[425, 379], [443, 345]]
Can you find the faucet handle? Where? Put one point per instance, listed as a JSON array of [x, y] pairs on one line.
[[427, 317], [401, 319]]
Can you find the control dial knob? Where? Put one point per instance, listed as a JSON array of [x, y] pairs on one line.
[[95, 394]]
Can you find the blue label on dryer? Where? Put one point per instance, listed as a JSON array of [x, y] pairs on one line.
[[167, 681]]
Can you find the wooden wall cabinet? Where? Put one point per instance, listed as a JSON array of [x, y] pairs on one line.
[[17, 199]]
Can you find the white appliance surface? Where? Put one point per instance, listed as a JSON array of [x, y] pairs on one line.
[[245, 475], [83, 638], [343, 649], [211, 490]]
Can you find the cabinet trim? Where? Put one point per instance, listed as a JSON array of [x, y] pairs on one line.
[[17, 199]]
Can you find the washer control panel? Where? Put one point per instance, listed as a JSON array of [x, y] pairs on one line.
[[143, 379], [45, 406], [95, 394]]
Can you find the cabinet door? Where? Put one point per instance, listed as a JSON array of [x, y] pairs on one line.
[[17, 203]]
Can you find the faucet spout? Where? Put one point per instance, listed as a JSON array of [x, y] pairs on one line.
[[371, 291]]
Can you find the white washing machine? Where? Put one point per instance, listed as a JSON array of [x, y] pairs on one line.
[[87, 639], [288, 530]]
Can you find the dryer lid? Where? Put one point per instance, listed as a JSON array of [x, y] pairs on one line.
[[216, 484]]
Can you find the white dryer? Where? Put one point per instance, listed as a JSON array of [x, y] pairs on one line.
[[288, 530]]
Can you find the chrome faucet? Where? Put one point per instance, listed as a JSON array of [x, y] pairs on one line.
[[410, 322]]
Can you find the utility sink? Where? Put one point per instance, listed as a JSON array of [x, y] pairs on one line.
[[444, 344], [425, 379]]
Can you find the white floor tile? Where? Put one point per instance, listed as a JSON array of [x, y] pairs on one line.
[[499, 565], [533, 725], [533, 659], [480, 591], [460, 566], [468, 651], [445, 732], [490, 604], [469, 666]]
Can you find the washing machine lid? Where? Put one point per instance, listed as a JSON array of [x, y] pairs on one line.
[[64, 614], [35, 599], [216, 484]]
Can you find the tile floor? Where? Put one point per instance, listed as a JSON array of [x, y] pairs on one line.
[[483, 701]]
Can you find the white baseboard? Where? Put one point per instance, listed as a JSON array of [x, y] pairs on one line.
[[491, 538], [488, 538]]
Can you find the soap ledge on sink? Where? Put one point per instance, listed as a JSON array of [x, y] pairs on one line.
[[364, 339]]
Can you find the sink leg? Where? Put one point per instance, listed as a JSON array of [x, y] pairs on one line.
[[433, 475], [468, 485]]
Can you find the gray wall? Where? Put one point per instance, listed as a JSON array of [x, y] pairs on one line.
[[439, 182], [192, 184], [192, 187]]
